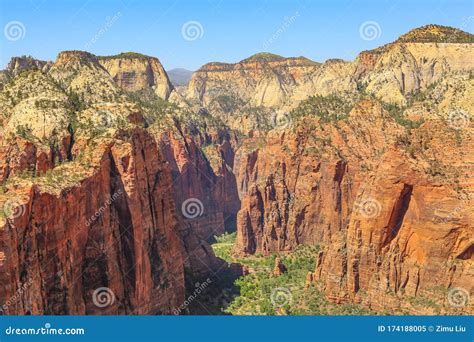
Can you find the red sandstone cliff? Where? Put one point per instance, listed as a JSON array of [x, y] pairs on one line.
[[211, 194], [300, 179], [91, 200], [417, 243], [394, 222], [63, 250]]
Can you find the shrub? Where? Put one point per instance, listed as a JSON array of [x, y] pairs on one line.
[[328, 108]]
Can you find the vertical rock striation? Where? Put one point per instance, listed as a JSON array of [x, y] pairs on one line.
[[116, 229]]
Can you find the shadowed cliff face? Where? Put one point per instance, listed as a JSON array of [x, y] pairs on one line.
[[206, 199], [299, 188], [255, 80], [115, 228]]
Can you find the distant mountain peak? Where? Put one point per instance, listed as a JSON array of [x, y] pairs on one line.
[[263, 57], [179, 76], [436, 34], [76, 58], [19, 64], [76, 54], [267, 57], [128, 55]]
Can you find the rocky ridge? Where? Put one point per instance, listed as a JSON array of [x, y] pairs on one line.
[[88, 192], [391, 73]]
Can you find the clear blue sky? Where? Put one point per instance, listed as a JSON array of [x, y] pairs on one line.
[[231, 29]]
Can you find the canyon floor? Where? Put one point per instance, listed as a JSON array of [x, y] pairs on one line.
[[263, 291]]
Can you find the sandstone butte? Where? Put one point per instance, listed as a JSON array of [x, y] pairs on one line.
[[370, 159]]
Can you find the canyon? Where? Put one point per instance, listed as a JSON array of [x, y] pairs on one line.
[[112, 178]]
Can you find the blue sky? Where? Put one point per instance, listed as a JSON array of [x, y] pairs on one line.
[[218, 30]]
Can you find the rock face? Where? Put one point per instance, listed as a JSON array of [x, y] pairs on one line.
[[262, 79], [23, 156], [20, 64], [81, 74], [299, 180], [395, 222], [279, 268], [206, 199], [400, 69], [90, 220], [391, 206], [415, 241], [119, 229], [63, 250], [392, 72], [134, 72]]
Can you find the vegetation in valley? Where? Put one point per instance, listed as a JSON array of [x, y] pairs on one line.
[[262, 293]]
